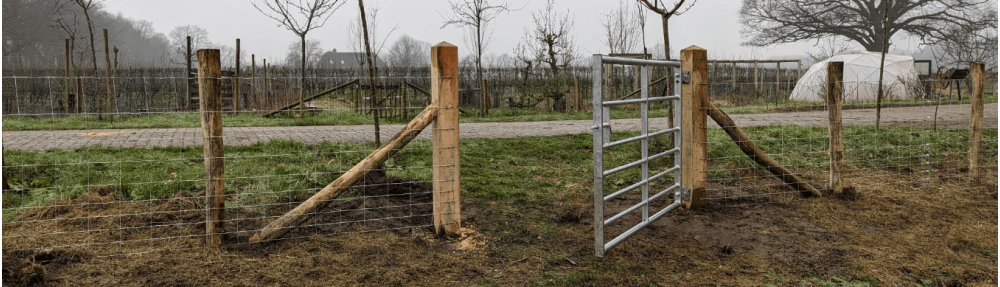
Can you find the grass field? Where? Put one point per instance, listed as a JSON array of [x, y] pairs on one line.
[[345, 116], [528, 213]]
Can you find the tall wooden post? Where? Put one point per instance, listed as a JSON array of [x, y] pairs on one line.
[[253, 76], [66, 76], [834, 96], [756, 76], [734, 78], [236, 80], [79, 94], [694, 135], [107, 79], [444, 94], [406, 102], [976, 122], [779, 78], [576, 95], [187, 75], [210, 102]]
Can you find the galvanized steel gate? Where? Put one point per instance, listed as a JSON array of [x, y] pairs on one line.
[[602, 141]]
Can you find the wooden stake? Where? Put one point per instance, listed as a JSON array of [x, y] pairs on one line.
[[66, 76], [187, 75], [79, 95], [236, 80], [834, 96], [444, 94], [576, 95], [301, 213], [694, 136], [976, 122], [107, 79], [210, 102]]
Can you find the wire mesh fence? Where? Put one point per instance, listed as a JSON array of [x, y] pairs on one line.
[[922, 141], [91, 185]]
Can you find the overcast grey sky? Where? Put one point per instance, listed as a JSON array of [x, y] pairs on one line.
[[711, 24]]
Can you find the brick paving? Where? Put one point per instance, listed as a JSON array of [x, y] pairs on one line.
[[953, 116]]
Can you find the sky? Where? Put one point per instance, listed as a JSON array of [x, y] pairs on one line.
[[710, 24]]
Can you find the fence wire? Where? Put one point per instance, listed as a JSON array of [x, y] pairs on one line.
[[74, 181], [922, 141]]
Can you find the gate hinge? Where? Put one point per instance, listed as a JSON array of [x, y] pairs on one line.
[[684, 193]]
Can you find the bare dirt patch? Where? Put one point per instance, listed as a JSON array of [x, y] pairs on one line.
[[895, 232]]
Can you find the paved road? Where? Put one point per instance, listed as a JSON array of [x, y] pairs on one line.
[[956, 116]]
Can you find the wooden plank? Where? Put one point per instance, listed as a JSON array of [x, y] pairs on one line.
[[318, 201], [834, 98], [66, 76], [976, 122], [444, 95], [210, 102], [310, 98], [694, 136]]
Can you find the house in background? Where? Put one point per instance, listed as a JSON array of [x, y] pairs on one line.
[[346, 60]]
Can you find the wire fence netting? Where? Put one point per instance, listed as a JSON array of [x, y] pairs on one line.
[[129, 177]]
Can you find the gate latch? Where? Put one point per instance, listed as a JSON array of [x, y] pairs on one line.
[[685, 77]]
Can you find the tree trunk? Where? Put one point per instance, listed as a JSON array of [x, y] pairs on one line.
[[479, 70], [669, 87], [302, 73], [371, 74]]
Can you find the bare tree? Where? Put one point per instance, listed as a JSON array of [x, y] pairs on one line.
[[178, 41], [314, 51], [658, 7], [549, 43], [408, 52], [300, 17], [475, 16], [829, 47], [551, 39], [87, 6], [621, 30], [967, 46], [357, 33], [768, 22]]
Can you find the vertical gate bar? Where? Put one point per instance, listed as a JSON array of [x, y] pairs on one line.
[[644, 123], [677, 124], [606, 127], [598, 155]]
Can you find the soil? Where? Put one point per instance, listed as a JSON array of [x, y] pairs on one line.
[[894, 228]]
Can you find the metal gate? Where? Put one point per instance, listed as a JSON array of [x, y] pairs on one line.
[[602, 141]]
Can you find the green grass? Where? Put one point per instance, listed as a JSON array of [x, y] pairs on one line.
[[346, 116], [336, 116], [529, 172]]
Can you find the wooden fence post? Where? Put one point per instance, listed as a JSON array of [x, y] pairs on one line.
[[66, 76], [187, 76], [236, 80], [976, 122], [444, 94], [834, 96], [210, 102], [107, 79], [694, 135]]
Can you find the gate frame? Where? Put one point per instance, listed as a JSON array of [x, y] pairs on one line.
[[602, 135]]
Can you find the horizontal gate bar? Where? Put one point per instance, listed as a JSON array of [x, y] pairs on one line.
[[628, 233], [640, 204], [634, 61], [636, 101], [640, 137], [638, 184], [639, 162]]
